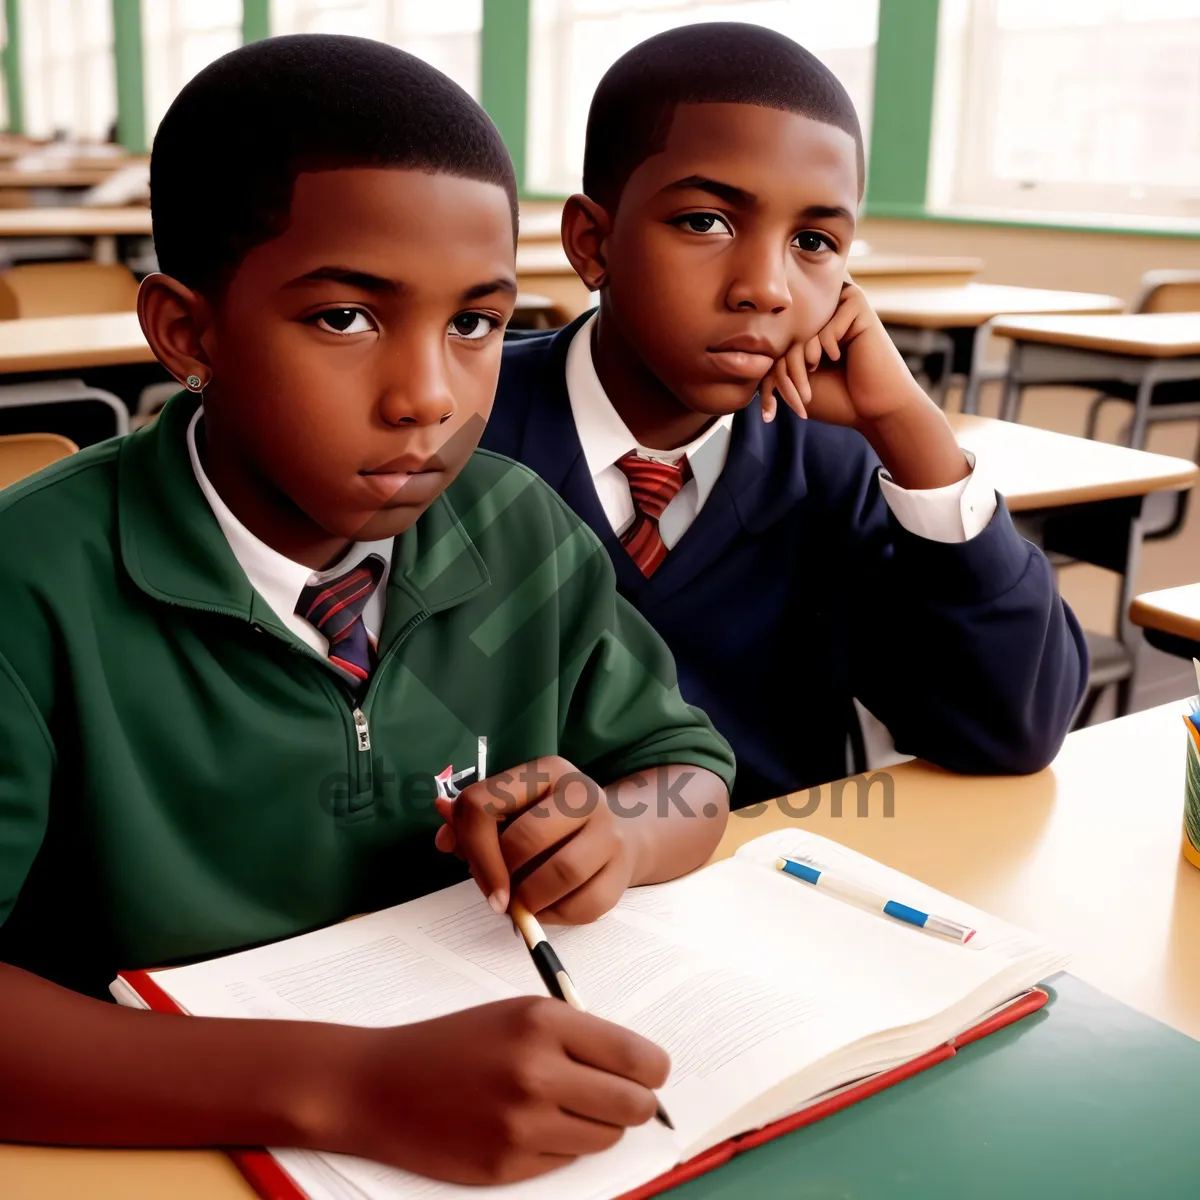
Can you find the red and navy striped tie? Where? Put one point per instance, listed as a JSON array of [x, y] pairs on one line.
[[653, 485], [335, 607]]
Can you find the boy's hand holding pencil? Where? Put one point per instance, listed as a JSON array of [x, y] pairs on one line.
[[547, 834]]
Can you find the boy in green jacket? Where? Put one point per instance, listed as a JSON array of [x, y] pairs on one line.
[[248, 650]]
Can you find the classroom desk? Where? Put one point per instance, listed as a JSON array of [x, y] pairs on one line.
[[1080, 500], [1037, 851], [1170, 619], [542, 266], [1140, 350], [101, 225], [72, 343], [58, 177], [955, 323]]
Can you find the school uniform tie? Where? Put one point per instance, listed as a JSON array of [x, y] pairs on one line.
[[653, 485], [334, 607]]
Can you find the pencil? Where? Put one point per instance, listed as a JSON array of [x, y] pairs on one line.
[[554, 974], [549, 966]]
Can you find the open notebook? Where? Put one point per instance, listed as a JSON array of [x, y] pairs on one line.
[[767, 994]]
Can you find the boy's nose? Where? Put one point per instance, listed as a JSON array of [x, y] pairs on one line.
[[416, 389], [760, 280]]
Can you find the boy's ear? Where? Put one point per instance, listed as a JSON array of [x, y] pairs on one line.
[[585, 229], [174, 319]]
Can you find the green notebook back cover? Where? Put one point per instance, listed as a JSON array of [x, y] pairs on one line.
[[1085, 1098]]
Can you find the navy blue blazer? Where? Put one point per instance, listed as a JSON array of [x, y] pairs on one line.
[[796, 589]]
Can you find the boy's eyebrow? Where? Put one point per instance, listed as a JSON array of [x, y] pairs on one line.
[[362, 280], [740, 198], [736, 196], [502, 283], [366, 282]]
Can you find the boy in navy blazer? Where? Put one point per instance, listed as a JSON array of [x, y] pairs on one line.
[[837, 580]]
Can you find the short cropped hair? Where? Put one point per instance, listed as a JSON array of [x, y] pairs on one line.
[[715, 62], [228, 151]]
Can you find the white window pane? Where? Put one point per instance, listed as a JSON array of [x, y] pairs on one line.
[[66, 68], [180, 38], [1062, 106], [574, 42]]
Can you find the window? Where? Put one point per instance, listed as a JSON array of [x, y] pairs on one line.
[[179, 39], [573, 42], [1068, 106], [67, 68], [445, 35]]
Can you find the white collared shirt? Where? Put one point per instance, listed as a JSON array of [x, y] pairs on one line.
[[955, 513], [279, 580]]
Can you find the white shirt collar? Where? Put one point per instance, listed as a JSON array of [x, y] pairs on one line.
[[605, 437], [277, 579]]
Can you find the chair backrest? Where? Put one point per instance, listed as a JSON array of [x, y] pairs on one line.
[[60, 289], [23, 453], [1169, 291]]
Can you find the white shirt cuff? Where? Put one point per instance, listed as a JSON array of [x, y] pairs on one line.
[[954, 513]]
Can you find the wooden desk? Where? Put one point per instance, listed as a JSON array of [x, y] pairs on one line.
[[1171, 619], [58, 177], [1081, 500], [1137, 351], [957, 322], [973, 304], [71, 343], [912, 270], [1038, 851], [1143, 335], [1037, 469], [74, 222]]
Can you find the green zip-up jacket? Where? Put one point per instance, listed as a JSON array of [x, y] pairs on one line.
[[180, 776]]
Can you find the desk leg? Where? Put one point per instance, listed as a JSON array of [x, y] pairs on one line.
[[977, 371], [104, 249], [1108, 534], [1010, 402], [1141, 407]]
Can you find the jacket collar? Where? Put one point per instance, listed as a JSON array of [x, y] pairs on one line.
[[174, 550]]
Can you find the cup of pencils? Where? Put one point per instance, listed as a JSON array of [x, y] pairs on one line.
[[1191, 787]]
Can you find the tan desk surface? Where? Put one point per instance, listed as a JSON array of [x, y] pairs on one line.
[[1172, 610], [57, 177], [1035, 468], [1085, 853], [1145, 335], [73, 222], [69, 343], [975, 303]]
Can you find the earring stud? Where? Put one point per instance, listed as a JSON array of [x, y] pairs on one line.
[[194, 383]]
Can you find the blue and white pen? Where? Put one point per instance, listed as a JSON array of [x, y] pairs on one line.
[[810, 872]]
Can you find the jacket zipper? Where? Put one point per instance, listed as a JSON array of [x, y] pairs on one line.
[[364, 775]]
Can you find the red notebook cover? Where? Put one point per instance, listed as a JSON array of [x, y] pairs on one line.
[[272, 1182]]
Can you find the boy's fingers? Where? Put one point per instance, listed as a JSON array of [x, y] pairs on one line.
[[589, 902], [828, 338], [768, 399], [812, 353], [792, 397], [608, 1047], [598, 1096], [481, 808], [569, 868], [444, 840]]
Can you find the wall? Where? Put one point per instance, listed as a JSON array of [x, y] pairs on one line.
[[1071, 259]]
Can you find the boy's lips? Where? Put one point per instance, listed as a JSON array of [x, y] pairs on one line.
[[406, 480], [745, 357]]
